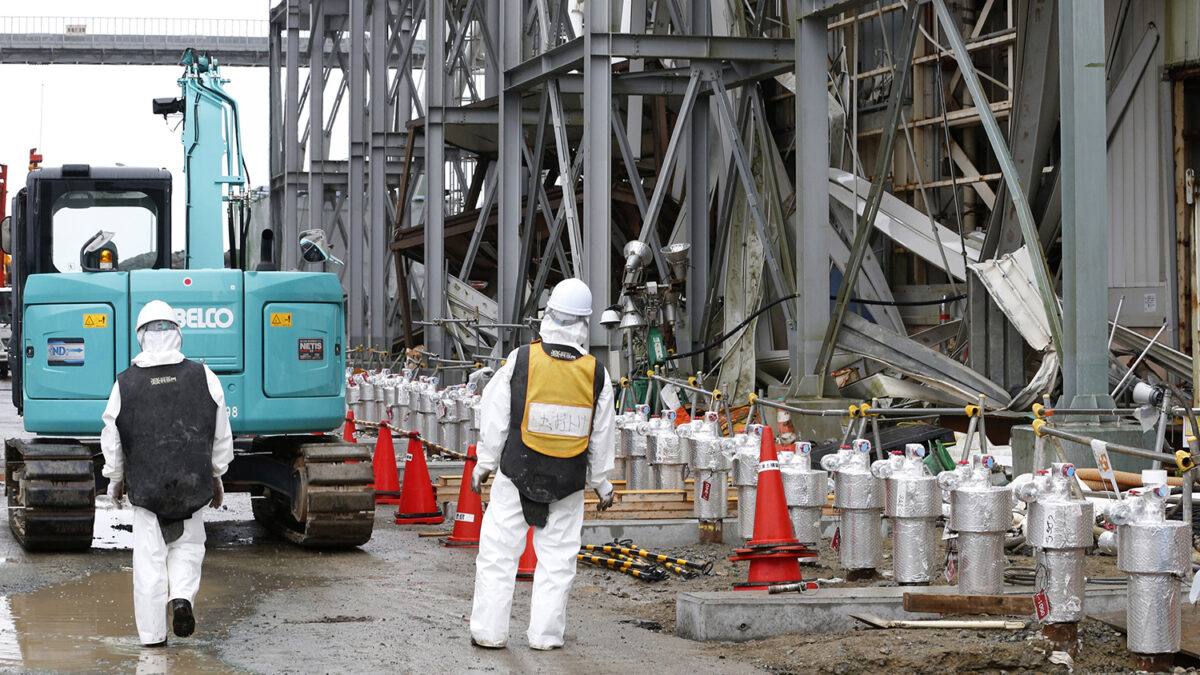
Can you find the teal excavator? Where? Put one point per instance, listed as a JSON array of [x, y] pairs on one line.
[[90, 246]]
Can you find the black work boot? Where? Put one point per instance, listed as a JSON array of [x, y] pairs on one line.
[[182, 620]]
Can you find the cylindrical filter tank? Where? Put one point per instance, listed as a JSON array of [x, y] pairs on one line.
[[859, 496], [468, 434], [1155, 553], [1059, 528], [625, 423], [913, 502], [639, 468], [662, 453], [447, 419], [980, 513], [806, 491], [746, 449], [710, 470], [427, 409]]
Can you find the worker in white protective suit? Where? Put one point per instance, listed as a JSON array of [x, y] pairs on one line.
[[166, 442], [547, 425]]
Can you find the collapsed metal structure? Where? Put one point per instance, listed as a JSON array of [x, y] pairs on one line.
[[784, 150]]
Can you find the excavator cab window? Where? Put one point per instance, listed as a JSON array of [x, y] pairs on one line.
[[129, 217]]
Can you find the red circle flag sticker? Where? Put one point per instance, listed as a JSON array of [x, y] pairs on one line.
[[187, 281]]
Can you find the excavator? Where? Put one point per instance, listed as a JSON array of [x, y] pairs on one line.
[[90, 247]]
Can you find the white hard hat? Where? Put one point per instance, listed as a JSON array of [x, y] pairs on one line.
[[156, 310], [571, 296]]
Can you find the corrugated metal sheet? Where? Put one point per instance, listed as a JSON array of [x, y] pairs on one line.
[[1182, 30], [1141, 219]]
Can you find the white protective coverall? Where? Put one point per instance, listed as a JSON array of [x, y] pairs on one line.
[[161, 571], [502, 535]]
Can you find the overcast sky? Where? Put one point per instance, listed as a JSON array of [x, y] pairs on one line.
[[100, 115]]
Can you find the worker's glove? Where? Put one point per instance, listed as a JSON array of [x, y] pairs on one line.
[[605, 493], [116, 492], [218, 493], [478, 477]]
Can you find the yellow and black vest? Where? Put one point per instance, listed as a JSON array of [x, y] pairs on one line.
[[553, 402]]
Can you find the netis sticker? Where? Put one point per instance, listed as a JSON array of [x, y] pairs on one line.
[[65, 352], [312, 349]]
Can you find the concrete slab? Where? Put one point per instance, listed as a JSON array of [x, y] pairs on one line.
[[1081, 455], [653, 533], [737, 616]]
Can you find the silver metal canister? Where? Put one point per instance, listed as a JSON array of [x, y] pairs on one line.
[[427, 409], [662, 453], [746, 449], [467, 433], [404, 417], [1155, 553], [710, 469], [913, 502], [980, 513], [447, 419], [806, 491], [859, 496], [639, 467], [627, 423], [354, 399], [1059, 528]]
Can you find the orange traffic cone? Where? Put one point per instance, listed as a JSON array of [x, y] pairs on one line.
[[387, 481], [417, 503], [773, 552], [468, 514], [771, 522], [528, 562], [348, 431]]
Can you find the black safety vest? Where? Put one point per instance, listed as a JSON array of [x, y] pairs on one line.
[[541, 477], [167, 423]]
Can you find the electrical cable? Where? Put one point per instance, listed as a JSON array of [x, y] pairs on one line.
[[893, 303]]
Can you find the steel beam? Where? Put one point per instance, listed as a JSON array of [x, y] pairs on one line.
[[357, 254], [597, 169], [509, 283], [435, 177], [812, 199], [377, 188], [1084, 204]]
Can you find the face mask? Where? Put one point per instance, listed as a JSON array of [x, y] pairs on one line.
[[155, 341]]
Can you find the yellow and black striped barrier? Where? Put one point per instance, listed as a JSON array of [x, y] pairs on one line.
[[704, 568]]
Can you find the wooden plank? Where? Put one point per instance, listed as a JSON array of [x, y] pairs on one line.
[[954, 603]]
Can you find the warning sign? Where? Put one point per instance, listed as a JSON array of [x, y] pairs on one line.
[[95, 321], [281, 319]]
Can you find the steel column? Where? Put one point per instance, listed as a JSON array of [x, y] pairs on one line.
[[508, 212], [1084, 203], [435, 172], [377, 189], [597, 171]]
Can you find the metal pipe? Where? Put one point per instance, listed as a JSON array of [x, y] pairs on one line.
[[1121, 385], [1045, 429], [755, 399]]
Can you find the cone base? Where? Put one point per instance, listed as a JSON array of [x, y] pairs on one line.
[[432, 518], [389, 501], [451, 542], [762, 585]]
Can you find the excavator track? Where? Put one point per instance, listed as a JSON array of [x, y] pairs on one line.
[[333, 486], [51, 490]]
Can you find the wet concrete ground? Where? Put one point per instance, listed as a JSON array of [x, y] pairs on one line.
[[398, 604]]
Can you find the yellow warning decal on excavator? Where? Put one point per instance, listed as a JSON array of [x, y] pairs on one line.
[[95, 321], [281, 319]]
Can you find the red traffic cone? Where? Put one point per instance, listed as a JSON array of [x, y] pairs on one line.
[[387, 481], [348, 431], [771, 522], [468, 514], [528, 562], [771, 567], [417, 503]]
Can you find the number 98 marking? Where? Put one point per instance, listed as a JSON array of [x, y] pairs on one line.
[[231, 411]]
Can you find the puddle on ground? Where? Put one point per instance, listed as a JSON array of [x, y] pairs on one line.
[[87, 626]]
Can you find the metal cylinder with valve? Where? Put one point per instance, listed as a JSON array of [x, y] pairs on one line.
[[446, 408], [1155, 553], [859, 496], [913, 502], [980, 514], [662, 453], [806, 492], [746, 449], [635, 437], [1059, 528], [710, 468], [427, 409]]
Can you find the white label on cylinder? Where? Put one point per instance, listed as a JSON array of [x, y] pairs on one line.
[[559, 420], [769, 465]]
